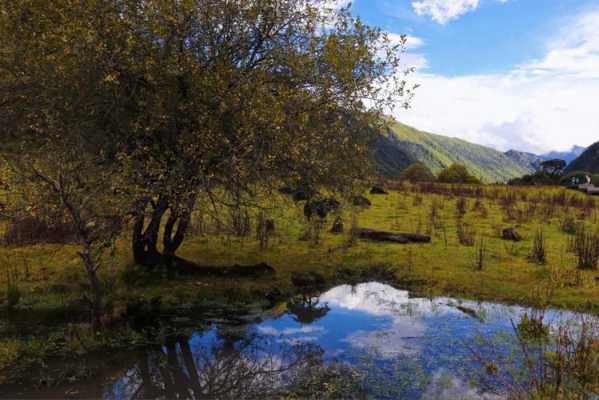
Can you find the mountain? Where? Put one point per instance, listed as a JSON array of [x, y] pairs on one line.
[[588, 161], [527, 160], [401, 145], [567, 156], [390, 158]]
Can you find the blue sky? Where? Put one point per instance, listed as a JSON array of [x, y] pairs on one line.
[[518, 74]]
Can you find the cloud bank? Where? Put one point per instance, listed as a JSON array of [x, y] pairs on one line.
[[543, 104]]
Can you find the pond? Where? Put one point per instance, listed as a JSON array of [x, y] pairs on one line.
[[369, 340]]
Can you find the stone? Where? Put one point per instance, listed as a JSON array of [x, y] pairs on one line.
[[511, 234], [321, 207], [361, 201], [337, 226], [378, 190]]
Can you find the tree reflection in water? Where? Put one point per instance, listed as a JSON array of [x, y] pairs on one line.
[[227, 364], [306, 309]]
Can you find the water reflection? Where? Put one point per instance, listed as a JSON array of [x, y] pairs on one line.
[[219, 364], [367, 340], [306, 309]]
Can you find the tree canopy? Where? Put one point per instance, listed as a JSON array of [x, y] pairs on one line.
[[152, 103], [417, 172], [456, 173], [554, 167]]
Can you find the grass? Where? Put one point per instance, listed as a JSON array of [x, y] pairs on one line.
[[54, 277], [52, 285]]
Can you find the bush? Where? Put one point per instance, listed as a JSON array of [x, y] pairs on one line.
[[586, 247], [466, 234], [417, 172], [537, 179], [457, 173], [28, 230], [538, 254], [568, 225]]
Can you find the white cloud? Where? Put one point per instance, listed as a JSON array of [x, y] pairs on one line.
[[443, 11], [544, 104], [410, 58]]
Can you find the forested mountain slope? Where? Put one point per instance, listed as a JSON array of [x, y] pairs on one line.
[[587, 161], [405, 145]]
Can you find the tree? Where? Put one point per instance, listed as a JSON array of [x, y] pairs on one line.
[[456, 173], [271, 97], [61, 118], [554, 167], [176, 100], [417, 172]]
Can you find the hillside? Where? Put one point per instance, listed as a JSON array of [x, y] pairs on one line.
[[526, 160], [438, 152], [587, 161]]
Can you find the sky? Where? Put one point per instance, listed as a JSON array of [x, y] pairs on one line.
[[510, 74]]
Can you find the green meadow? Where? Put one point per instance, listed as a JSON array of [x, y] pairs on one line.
[[467, 256]]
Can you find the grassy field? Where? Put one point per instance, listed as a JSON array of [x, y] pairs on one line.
[[466, 258], [50, 276]]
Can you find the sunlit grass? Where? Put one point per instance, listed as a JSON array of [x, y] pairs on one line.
[[52, 276]]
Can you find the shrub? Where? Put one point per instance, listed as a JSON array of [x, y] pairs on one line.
[[417, 172], [28, 230], [461, 205], [457, 173], [568, 225], [586, 247], [538, 248], [481, 253], [466, 234]]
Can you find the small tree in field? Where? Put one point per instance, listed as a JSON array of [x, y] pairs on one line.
[[554, 167], [457, 173], [417, 172]]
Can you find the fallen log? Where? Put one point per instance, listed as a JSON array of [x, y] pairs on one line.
[[237, 271], [392, 237]]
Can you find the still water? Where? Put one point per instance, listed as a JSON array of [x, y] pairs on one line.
[[368, 340]]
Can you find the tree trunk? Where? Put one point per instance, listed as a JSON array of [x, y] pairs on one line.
[[182, 219], [145, 242], [97, 301]]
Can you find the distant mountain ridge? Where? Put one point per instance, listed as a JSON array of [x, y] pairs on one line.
[[534, 160], [527, 160], [568, 156], [401, 145], [588, 161]]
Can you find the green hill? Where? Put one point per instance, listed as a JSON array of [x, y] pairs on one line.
[[588, 161], [528, 160], [438, 152]]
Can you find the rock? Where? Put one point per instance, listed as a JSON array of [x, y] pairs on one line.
[[269, 226], [321, 207], [511, 234], [337, 226], [403, 238], [286, 190], [361, 201], [296, 194], [378, 190], [300, 195]]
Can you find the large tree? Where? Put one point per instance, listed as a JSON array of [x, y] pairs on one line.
[[189, 97]]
